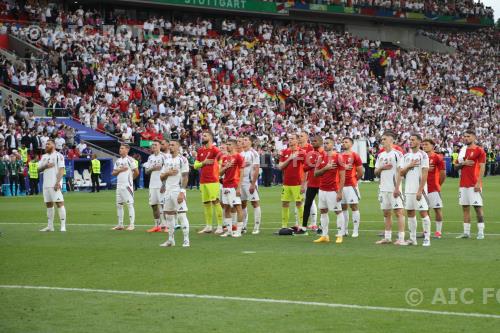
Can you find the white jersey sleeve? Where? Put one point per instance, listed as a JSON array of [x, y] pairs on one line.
[[388, 177], [251, 158], [124, 179], [414, 175], [50, 174], [153, 161]]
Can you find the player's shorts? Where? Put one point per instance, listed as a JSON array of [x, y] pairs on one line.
[[124, 195], [51, 195], [247, 196], [350, 195], [411, 202], [170, 203], [328, 200], [387, 201], [155, 196], [435, 200], [468, 197], [210, 192], [229, 197], [291, 193]]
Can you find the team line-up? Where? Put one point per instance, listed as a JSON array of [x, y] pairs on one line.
[[229, 180]]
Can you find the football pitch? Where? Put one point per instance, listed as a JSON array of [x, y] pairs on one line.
[[92, 279]]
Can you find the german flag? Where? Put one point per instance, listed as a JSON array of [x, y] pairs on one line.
[[271, 93], [478, 91], [256, 83], [325, 51], [283, 95]]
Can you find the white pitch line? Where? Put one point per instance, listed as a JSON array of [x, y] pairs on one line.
[[193, 225], [257, 300]]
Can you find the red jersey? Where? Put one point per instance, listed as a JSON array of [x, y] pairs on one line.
[[329, 181], [436, 165], [232, 174], [307, 148], [293, 173], [351, 159], [209, 173], [470, 174], [312, 159]]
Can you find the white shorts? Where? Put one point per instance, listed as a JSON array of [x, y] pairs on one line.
[[468, 197], [435, 200], [350, 195], [328, 200], [124, 195], [411, 202], [387, 201], [155, 197], [229, 197], [247, 196], [50, 195], [170, 203]]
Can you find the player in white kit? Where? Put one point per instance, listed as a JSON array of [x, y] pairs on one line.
[[415, 167], [153, 167], [125, 171], [387, 167], [175, 176], [52, 166], [249, 186]]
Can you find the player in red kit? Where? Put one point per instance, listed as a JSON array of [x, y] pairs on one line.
[[207, 160], [471, 182], [292, 165], [332, 178], [350, 198], [232, 170], [435, 179]]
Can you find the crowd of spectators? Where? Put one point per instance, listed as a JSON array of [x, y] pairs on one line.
[[264, 78]]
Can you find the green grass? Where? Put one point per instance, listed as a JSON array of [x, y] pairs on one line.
[[90, 255]]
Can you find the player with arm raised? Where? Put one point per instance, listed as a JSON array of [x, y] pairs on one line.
[[471, 183], [249, 186], [232, 169], [291, 163], [435, 179], [387, 168], [52, 166], [153, 168], [350, 198], [332, 178], [125, 171], [414, 167], [175, 176], [207, 160]]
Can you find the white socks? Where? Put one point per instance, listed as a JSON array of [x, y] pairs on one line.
[[184, 225], [119, 211], [163, 222], [171, 226], [131, 213], [412, 226], [62, 217], [314, 214], [228, 221], [401, 236], [356, 218], [157, 222], [296, 211], [346, 220], [388, 234], [324, 220], [439, 226], [245, 216], [257, 215], [340, 221], [467, 228], [426, 224], [50, 218], [480, 228]]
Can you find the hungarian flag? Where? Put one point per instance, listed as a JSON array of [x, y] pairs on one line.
[[477, 90], [325, 51]]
